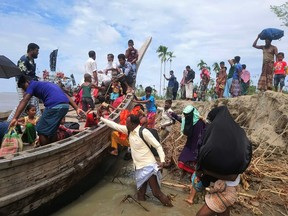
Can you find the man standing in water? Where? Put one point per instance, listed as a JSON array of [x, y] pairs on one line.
[[28, 68], [147, 170], [269, 54]]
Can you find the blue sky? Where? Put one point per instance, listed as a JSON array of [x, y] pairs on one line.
[[193, 30]]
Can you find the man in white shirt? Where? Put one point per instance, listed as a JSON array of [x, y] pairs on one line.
[[91, 66], [147, 170], [166, 119], [105, 76]]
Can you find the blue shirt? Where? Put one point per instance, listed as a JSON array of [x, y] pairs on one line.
[[150, 106], [50, 93], [171, 81], [127, 68], [237, 68]]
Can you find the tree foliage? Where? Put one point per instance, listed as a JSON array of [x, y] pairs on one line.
[[216, 67], [281, 12]]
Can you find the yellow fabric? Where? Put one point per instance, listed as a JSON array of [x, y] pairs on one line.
[[115, 140]]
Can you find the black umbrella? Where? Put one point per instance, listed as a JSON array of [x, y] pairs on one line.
[[7, 68]]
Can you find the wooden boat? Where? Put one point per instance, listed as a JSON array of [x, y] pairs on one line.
[[36, 176], [4, 115]]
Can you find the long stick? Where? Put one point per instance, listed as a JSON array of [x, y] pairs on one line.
[[129, 196], [183, 186]]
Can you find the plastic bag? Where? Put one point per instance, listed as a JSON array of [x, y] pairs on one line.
[[271, 33], [11, 143]]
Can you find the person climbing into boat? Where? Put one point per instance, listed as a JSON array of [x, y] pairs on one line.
[[120, 138], [105, 110], [149, 101], [29, 122], [87, 101], [147, 169], [56, 104]]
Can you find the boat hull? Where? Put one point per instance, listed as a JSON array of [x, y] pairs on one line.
[[34, 177]]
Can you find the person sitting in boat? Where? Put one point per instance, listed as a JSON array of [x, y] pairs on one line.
[[105, 76], [65, 132], [29, 122], [92, 119], [56, 104], [120, 138], [105, 110], [132, 54], [116, 91], [147, 169], [126, 73]]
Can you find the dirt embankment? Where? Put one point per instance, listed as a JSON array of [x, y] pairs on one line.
[[264, 117]]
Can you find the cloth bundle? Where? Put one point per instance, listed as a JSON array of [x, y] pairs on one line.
[[271, 33]]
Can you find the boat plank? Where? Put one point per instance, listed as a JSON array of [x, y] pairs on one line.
[[47, 168]]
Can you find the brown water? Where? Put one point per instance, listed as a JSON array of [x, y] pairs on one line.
[[105, 197], [8, 101]]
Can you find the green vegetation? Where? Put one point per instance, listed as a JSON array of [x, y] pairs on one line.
[[164, 56], [281, 12]]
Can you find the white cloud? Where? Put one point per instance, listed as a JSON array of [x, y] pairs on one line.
[[193, 30]]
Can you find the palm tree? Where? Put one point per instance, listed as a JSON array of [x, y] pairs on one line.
[[162, 54], [216, 67], [170, 57], [201, 64]]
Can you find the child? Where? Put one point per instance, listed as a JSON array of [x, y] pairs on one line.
[[116, 91], [64, 132], [29, 122], [221, 80], [87, 101], [149, 100], [166, 119], [91, 119], [205, 79], [196, 186], [105, 110], [279, 68]]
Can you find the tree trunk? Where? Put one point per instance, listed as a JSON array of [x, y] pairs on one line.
[[164, 93], [160, 80]]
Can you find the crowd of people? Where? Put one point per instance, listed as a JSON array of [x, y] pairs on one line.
[[237, 81], [135, 129]]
